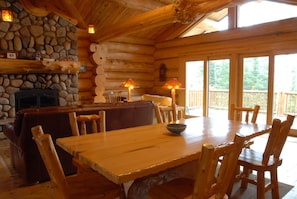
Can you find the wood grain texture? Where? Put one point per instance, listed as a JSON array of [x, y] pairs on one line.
[[127, 154]]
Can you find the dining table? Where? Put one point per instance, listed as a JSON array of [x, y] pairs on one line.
[[134, 153]]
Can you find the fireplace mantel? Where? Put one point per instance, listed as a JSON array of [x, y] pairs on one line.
[[20, 66]]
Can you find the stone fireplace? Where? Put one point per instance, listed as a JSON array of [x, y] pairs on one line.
[[35, 98], [64, 84]]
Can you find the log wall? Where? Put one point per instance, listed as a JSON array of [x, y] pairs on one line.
[[86, 83], [141, 59], [126, 58]]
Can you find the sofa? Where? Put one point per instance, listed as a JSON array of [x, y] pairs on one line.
[[25, 156]]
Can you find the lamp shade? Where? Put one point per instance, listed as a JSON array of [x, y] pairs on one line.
[[172, 84], [91, 28], [129, 83], [7, 15]]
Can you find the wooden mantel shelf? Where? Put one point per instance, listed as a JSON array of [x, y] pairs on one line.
[[20, 66]]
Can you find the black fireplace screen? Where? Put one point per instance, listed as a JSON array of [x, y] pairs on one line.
[[35, 98]]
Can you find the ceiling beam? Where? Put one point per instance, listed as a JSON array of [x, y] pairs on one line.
[[73, 12], [32, 8], [43, 8], [142, 5], [182, 11]]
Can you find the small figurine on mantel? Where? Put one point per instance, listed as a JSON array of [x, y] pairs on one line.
[[38, 56]]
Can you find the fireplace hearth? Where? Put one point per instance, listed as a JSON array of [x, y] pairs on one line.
[[35, 98]]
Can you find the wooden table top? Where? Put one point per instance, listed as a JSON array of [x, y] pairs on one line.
[[127, 154]]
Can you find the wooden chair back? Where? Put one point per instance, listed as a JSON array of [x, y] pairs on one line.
[[236, 113], [82, 120], [277, 138], [52, 163], [210, 181], [214, 176], [163, 113]]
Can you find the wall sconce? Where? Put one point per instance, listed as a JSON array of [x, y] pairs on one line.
[[7, 15], [91, 29], [130, 84], [173, 84]]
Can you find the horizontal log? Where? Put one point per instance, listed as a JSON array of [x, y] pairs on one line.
[[121, 76], [287, 25], [143, 5], [129, 48], [86, 97], [86, 75], [84, 84], [253, 44], [128, 67], [130, 57], [20, 66], [134, 40]]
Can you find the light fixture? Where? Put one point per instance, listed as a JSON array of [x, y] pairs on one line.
[[7, 15], [91, 29], [130, 84], [173, 84]]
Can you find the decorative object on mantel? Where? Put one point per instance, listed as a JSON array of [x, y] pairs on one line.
[[7, 15], [130, 84], [51, 64]]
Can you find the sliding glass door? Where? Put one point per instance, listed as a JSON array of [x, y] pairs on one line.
[[285, 86], [207, 88], [255, 84]]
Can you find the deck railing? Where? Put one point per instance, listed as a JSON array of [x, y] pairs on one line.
[[284, 102]]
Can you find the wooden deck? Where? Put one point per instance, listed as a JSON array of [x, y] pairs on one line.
[[12, 186]]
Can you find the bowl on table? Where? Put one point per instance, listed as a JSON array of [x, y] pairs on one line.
[[176, 128]]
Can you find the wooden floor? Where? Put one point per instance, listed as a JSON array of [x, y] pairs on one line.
[[9, 180]]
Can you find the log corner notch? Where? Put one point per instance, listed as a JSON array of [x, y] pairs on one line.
[[182, 11], [189, 11]]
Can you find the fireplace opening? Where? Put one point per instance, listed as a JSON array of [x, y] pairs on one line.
[[35, 98]]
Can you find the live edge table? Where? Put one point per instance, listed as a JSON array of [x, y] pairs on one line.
[[128, 154]]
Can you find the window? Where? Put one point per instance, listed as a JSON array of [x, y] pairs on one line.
[[257, 12]]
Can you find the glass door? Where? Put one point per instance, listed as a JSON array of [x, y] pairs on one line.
[[194, 88], [207, 88], [255, 84], [285, 86], [218, 88]]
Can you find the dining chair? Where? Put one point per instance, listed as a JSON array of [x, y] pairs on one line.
[[164, 114], [236, 114], [86, 185], [267, 161], [213, 177], [81, 120]]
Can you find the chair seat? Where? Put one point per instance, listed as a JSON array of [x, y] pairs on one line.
[[251, 158], [97, 186]]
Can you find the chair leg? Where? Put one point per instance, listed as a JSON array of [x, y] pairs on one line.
[[274, 182], [244, 177], [122, 192], [260, 185]]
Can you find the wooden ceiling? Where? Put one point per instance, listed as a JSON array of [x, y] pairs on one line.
[[149, 19]]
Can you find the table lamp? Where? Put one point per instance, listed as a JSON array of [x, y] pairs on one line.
[[172, 85], [130, 84]]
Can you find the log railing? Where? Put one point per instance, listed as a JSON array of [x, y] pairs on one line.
[[284, 102]]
